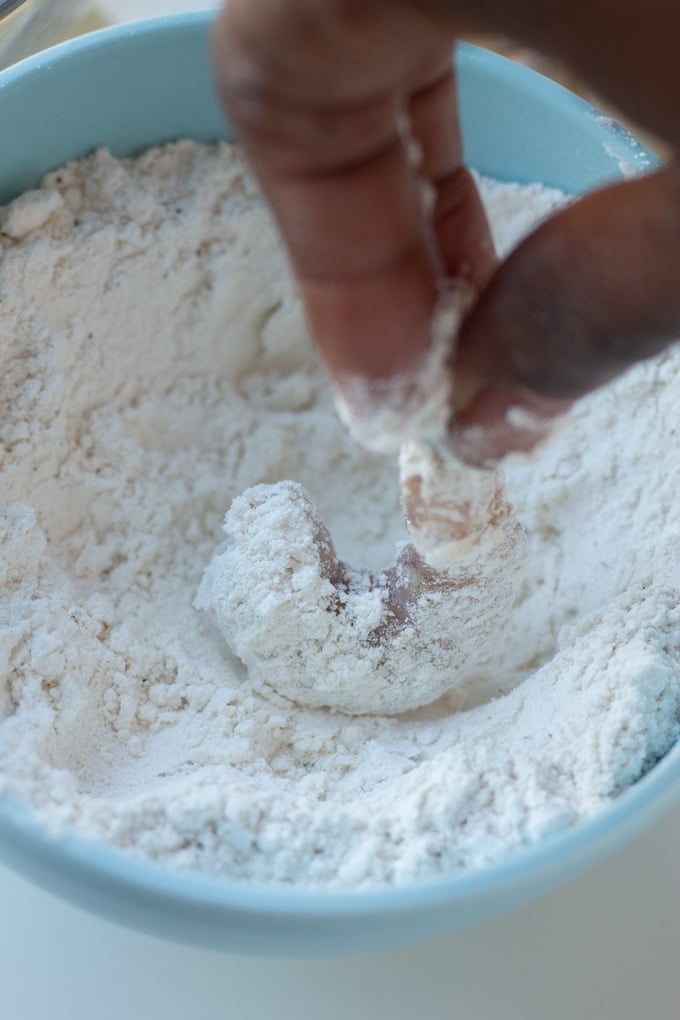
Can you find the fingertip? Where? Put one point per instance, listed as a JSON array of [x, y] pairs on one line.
[[500, 420]]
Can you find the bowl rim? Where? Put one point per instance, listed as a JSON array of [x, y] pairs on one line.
[[568, 851], [631, 155], [588, 841]]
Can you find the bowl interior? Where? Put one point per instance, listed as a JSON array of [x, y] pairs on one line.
[[132, 87]]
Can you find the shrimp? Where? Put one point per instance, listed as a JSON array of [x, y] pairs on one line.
[[324, 634]]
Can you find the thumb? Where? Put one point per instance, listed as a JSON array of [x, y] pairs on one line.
[[593, 290]]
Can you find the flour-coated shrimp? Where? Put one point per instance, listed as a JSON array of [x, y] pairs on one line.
[[324, 634]]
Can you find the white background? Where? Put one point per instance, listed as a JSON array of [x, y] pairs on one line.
[[605, 947]]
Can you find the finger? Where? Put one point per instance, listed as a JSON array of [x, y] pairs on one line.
[[461, 228], [357, 238], [337, 176], [433, 116], [591, 292]]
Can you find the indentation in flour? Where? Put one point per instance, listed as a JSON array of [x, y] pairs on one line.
[[130, 418]]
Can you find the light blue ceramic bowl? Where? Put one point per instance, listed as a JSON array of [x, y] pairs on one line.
[[132, 87]]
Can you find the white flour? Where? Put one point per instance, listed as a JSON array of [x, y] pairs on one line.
[[130, 417]]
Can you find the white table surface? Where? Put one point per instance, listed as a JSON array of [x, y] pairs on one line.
[[131, 10], [605, 947]]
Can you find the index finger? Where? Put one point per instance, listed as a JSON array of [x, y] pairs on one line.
[[329, 152]]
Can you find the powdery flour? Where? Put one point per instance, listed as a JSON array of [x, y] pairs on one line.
[[154, 366]]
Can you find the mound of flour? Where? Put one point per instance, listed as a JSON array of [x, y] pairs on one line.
[[154, 365]]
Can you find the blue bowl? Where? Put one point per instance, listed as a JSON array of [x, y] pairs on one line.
[[132, 87]]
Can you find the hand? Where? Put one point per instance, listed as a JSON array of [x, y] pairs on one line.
[[317, 90]]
